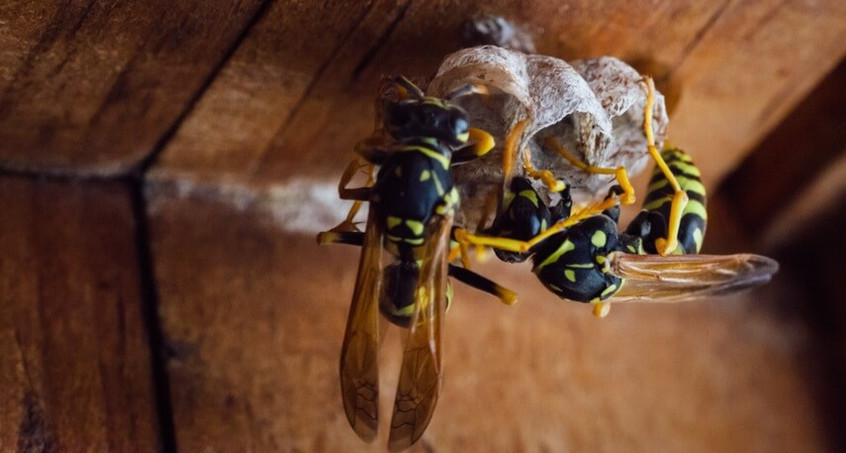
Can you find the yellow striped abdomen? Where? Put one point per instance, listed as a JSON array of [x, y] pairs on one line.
[[652, 222]]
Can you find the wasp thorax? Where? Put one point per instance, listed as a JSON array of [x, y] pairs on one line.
[[573, 264]]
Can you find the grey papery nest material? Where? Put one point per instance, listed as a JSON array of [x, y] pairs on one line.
[[594, 108]]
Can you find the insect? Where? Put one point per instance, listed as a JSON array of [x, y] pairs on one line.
[[583, 257], [411, 206]]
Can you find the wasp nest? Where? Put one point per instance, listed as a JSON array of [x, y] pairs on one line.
[[593, 108]]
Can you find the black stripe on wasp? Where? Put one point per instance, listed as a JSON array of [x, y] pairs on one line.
[[582, 257], [412, 202]]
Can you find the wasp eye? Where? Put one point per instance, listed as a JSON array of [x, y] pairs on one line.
[[399, 115]]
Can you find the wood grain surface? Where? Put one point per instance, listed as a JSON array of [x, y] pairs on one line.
[[733, 69], [90, 87], [74, 358], [254, 318]]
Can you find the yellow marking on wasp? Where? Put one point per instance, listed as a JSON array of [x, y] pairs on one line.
[[697, 208], [438, 185], [608, 291], [693, 206], [463, 137], [686, 167], [531, 195], [418, 241], [425, 175], [543, 224], [393, 221], [408, 310], [444, 161], [570, 274], [580, 265], [556, 288], [416, 226], [434, 101], [688, 184], [600, 259], [599, 238], [564, 248]]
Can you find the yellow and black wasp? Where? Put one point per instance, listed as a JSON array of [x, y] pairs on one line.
[[584, 258], [411, 206]]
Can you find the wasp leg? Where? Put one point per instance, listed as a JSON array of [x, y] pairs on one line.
[[546, 176], [341, 237], [489, 211], [460, 250], [514, 245], [461, 274], [510, 148], [620, 173], [668, 245], [475, 280], [359, 195], [406, 88], [482, 142], [601, 309]]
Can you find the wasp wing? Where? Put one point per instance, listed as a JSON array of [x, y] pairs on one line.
[[359, 355], [677, 278], [420, 375]]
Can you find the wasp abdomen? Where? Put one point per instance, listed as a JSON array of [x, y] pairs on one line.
[[652, 222]]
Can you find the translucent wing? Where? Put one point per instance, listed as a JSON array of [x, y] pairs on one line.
[[420, 376], [676, 278], [359, 356]]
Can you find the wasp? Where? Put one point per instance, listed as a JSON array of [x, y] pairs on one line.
[[583, 257], [412, 201]]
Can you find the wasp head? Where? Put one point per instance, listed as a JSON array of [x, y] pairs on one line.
[[427, 117]]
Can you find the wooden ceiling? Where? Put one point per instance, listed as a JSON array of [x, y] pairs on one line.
[[253, 92]]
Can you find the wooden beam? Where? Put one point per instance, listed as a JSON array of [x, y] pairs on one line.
[[74, 355], [265, 120], [90, 88], [783, 182]]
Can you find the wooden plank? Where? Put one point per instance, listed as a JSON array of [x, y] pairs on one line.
[[255, 316], [90, 88], [266, 120], [74, 357], [783, 168]]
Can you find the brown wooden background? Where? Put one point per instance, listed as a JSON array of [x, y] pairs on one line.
[[158, 291]]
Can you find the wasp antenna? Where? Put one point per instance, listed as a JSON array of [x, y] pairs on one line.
[[410, 87], [472, 88]]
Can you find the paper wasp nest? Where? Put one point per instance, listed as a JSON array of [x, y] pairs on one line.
[[594, 108]]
